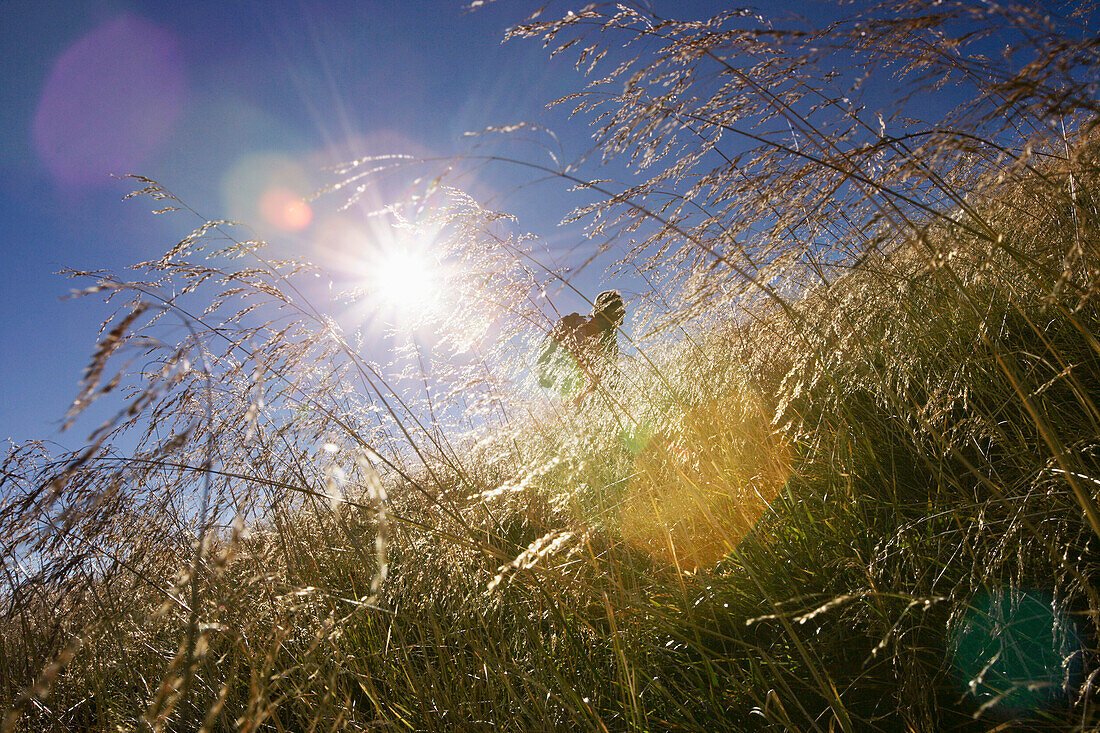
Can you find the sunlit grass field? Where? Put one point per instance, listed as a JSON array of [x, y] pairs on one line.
[[843, 476]]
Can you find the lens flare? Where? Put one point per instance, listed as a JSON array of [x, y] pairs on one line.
[[110, 101], [285, 209], [1014, 652], [702, 483], [267, 190]]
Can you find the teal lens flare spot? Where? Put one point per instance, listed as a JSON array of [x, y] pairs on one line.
[[1015, 652]]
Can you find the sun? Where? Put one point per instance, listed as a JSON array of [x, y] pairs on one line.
[[396, 277], [406, 282]]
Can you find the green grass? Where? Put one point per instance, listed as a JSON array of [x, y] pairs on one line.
[[845, 479]]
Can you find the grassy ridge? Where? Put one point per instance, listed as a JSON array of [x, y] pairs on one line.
[[914, 487], [841, 487]]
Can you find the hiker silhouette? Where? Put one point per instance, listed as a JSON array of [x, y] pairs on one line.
[[582, 350]]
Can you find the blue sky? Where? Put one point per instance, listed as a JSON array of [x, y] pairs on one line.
[[213, 99]]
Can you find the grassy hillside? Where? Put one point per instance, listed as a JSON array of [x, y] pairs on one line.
[[845, 477]]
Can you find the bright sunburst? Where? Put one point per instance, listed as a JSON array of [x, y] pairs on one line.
[[406, 282], [394, 275]]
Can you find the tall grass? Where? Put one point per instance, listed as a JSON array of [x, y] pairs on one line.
[[844, 479]]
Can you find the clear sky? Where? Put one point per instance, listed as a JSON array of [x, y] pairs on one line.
[[235, 106]]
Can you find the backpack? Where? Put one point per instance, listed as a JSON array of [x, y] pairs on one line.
[[558, 357]]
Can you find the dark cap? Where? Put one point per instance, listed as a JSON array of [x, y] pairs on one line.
[[609, 305]]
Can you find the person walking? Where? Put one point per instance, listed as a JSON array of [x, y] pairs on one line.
[[583, 350]]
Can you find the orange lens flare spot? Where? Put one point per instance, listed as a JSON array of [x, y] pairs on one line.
[[701, 485], [285, 209]]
